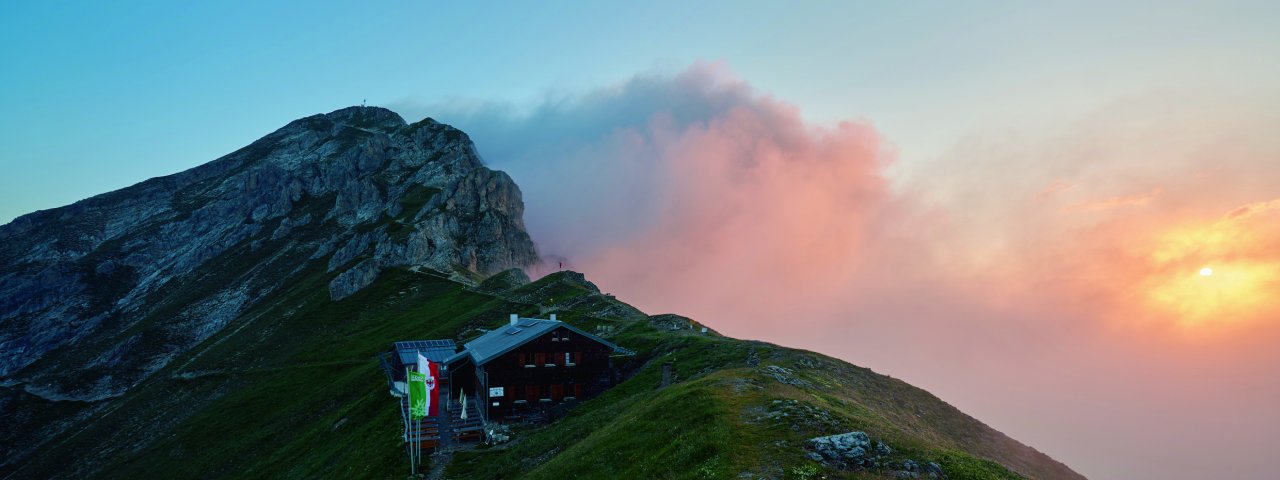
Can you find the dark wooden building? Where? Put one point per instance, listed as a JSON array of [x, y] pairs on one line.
[[530, 365]]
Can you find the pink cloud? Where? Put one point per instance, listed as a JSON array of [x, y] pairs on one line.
[[1252, 209], [753, 200]]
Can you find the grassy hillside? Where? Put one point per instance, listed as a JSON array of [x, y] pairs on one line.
[[292, 390]]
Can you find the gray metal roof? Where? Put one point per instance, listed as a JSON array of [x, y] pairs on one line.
[[434, 350], [507, 337], [457, 356]]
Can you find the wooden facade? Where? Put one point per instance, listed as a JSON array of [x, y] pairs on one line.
[[557, 366]]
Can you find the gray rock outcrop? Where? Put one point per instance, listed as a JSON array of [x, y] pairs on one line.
[[856, 450], [848, 449], [128, 280]]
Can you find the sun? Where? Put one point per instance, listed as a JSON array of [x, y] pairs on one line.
[[1206, 272]]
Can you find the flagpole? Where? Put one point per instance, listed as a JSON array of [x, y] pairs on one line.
[[409, 422], [428, 398], [417, 441]]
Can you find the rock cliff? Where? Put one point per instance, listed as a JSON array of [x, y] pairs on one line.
[[124, 282]]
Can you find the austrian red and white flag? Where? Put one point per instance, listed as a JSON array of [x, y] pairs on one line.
[[432, 370]]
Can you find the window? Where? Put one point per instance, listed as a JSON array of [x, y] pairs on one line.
[[527, 360], [568, 359], [551, 360]]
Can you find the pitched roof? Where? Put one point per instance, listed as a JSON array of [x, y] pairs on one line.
[[434, 350], [507, 337]]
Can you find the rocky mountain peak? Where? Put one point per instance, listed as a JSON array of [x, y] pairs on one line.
[[367, 117], [130, 279]]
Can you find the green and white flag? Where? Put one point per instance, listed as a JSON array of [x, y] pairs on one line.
[[417, 395]]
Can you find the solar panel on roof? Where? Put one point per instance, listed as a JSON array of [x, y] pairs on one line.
[[435, 350], [514, 330], [425, 343], [528, 322]]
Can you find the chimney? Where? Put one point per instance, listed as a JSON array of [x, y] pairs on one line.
[[515, 319], [553, 317]]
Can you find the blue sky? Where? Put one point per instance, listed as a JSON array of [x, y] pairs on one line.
[[1030, 139], [100, 95]]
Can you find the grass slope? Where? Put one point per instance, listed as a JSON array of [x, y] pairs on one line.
[[291, 389]]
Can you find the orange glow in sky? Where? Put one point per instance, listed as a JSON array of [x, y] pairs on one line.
[[1237, 276], [1233, 292]]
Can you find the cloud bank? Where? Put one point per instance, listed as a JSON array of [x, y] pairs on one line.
[[687, 192], [1044, 280]]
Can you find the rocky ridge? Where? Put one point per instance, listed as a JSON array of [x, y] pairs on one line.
[[119, 284]]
